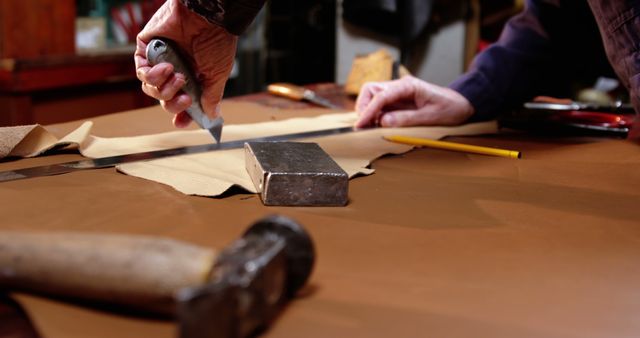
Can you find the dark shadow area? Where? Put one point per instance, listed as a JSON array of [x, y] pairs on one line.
[[14, 321]]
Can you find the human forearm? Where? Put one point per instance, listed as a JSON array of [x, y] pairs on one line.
[[517, 66]]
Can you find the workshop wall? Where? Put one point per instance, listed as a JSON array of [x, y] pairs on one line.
[[437, 55]]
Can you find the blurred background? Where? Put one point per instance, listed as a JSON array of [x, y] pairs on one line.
[[62, 60]]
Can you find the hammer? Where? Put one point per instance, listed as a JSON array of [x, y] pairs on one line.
[[231, 293]]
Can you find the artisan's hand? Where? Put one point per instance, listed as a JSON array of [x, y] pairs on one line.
[[410, 102], [211, 50]]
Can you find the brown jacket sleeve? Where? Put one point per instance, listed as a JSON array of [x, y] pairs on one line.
[[233, 15]]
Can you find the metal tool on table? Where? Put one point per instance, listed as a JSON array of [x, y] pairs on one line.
[[294, 173], [298, 93], [614, 108], [160, 50], [111, 161], [231, 293], [572, 117]]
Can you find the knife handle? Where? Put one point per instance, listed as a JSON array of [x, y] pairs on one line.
[[287, 90], [162, 50]]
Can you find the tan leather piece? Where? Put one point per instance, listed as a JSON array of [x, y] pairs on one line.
[[34, 140], [213, 173], [435, 243], [24, 141]]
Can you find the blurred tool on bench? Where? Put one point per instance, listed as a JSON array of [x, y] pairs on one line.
[[231, 293]]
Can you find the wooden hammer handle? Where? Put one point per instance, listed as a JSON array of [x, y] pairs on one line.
[[141, 272]]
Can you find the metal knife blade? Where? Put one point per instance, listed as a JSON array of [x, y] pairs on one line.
[[298, 93], [213, 126], [110, 161], [160, 50], [321, 101]]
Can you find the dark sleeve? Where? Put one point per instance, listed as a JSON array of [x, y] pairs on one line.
[[233, 15], [619, 24], [509, 72]]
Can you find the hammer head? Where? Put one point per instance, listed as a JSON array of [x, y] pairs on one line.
[[293, 173], [251, 281]]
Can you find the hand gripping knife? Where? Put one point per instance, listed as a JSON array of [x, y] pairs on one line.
[[160, 50]]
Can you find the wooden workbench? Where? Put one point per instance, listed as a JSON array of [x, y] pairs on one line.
[[434, 244], [63, 88]]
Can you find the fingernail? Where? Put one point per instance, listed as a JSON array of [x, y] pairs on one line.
[[179, 81], [388, 120], [184, 99]]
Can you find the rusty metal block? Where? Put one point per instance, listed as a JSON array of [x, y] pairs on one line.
[[293, 173]]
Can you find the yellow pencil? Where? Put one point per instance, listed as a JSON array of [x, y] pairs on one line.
[[453, 146]]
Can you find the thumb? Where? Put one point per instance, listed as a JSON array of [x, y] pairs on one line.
[[211, 97]]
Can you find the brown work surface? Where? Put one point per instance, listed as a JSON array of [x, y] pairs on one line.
[[434, 244]]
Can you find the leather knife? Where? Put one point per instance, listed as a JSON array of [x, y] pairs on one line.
[[298, 93], [161, 50]]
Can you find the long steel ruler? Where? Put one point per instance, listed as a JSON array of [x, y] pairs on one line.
[[111, 161]]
